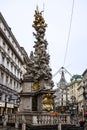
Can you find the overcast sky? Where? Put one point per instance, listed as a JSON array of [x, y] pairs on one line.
[[19, 14]]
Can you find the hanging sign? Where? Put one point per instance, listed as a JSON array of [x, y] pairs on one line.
[[9, 105], [2, 104]]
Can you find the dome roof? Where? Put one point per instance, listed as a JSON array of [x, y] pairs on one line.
[[76, 78]]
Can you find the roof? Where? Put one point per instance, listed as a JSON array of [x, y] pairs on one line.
[[76, 78]]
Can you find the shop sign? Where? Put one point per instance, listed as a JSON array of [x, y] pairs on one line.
[[9, 105], [2, 104]]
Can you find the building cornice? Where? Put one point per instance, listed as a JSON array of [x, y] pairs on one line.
[[11, 46], [71, 83], [33, 93], [9, 30], [2, 67], [9, 58], [7, 89]]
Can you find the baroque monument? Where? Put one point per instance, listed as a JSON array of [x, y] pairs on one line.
[[37, 94]]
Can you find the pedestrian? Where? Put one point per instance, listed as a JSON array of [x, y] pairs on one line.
[[82, 123]]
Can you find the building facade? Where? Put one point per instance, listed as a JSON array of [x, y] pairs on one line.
[[73, 86], [11, 68], [82, 89]]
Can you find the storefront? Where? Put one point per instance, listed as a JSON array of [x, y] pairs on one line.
[[10, 107]]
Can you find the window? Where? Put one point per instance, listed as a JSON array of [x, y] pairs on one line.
[[18, 62], [0, 95], [8, 50], [72, 87], [15, 70], [17, 85], [20, 74], [2, 76], [10, 81], [4, 45], [3, 59], [9, 35], [12, 54], [11, 67], [7, 79], [7, 63], [15, 58], [12, 41], [14, 84], [4, 29]]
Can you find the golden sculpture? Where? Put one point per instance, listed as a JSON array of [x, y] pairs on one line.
[[36, 86], [48, 107], [48, 102], [39, 20]]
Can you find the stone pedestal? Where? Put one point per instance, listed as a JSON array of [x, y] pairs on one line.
[[26, 98]]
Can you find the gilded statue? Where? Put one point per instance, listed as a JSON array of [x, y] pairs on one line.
[[36, 86], [39, 20], [48, 102]]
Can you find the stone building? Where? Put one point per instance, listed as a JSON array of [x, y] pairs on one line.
[[73, 86], [11, 68], [82, 90]]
